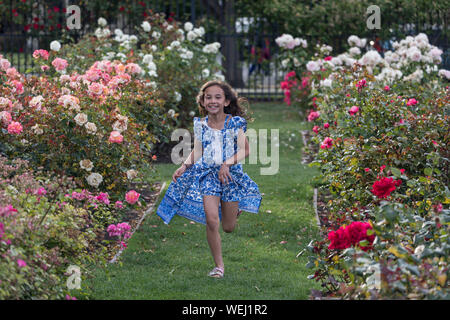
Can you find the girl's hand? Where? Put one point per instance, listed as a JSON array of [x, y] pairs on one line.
[[224, 174], [178, 173]]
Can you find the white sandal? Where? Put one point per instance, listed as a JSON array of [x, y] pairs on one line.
[[216, 272]]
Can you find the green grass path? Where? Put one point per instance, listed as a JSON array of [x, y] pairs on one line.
[[172, 261]]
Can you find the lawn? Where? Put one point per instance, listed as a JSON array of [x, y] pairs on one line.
[[172, 261]]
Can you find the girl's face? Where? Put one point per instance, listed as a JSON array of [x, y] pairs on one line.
[[214, 100]]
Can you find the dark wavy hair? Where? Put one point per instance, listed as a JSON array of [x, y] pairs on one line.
[[236, 106]]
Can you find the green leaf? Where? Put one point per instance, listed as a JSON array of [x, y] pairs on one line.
[[423, 179], [396, 172], [428, 171]]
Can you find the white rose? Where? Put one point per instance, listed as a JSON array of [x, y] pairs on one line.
[[191, 36], [146, 26], [86, 164], [171, 112], [177, 96], [37, 130], [192, 113], [152, 73], [147, 58], [205, 73], [94, 179], [285, 62], [354, 51], [91, 127], [156, 34], [131, 174], [219, 77], [55, 45], [326, 83], [81, 119], [188, 26], [36, 101], [312, 66], [102, 22]]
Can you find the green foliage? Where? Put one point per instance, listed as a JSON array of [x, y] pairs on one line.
[[388, 137], [41, 236]]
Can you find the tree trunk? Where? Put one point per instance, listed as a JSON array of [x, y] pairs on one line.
[[226, 15]]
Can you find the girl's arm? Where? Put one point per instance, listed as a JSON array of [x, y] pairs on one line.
[[243, 152], [194, 155]]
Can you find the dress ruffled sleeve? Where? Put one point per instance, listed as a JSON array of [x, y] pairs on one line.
[[241, 123], [197, 129]]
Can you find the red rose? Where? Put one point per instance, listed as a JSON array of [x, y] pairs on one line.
[[383, 188]]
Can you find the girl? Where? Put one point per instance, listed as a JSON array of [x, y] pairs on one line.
[[210, 185]]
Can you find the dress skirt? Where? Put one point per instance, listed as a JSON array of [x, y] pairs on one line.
[[185, 197]]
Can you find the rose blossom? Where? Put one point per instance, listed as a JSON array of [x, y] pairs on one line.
[[411, 102], [59, 64], [327, 143], [353, 110], [81, 119], [15, 128], [41, 53], [313, 115], [383, 188], [5, 117], [96, 88], [115, 137], [4, 64], [86, 164], [90, 127], [94, 179], [21, 263], [132, 197]]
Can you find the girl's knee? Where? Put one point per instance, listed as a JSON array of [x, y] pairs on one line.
[[212, 223], [228, 228]]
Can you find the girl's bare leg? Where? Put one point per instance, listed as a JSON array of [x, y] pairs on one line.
[[229, 215], [211, 206]]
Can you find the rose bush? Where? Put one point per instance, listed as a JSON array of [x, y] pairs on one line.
[[170, 57], [384, 157], [82, 125], [413, 60], [47, 224]]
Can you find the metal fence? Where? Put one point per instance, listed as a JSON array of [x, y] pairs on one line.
[[29, 25]]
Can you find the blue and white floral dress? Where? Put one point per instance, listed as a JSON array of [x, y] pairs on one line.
[[185, 197]]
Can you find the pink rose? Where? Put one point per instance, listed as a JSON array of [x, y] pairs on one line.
[[5, 117], [327, 143], [19, 86], [326, 125], [119, 204], [115, 137], [132, 197], [96, 88], [316, 129], [386, 88], [133, 68], [353, 110], [313, 115], [4, 64], [15, 128], [59, 64], [21, 263], [411, 102], [41, 53]]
